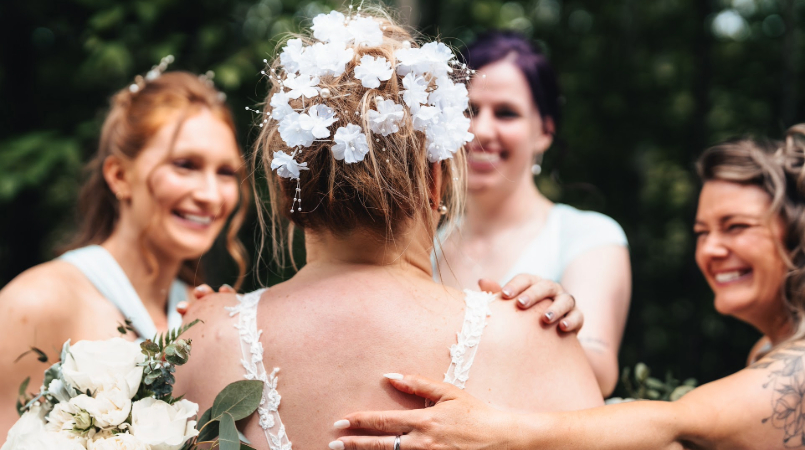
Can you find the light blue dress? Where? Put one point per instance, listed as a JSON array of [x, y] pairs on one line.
[[566, 234], [108, 277]]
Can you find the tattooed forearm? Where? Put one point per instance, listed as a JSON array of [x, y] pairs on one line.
[[787, 382]]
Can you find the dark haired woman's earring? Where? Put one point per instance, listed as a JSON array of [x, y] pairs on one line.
[[442, 208], [536, 169]]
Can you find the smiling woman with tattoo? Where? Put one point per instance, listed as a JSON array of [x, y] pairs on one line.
[[750, 229]]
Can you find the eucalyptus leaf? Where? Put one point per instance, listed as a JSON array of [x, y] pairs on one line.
[[228, 438], [24, 386], [205, 417], [239, 399], [209, 431]]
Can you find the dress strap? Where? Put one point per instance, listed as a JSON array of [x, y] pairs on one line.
[[462, 353], [103, 271], [252, 361]]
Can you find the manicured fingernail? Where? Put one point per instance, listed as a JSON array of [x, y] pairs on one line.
[[565, 325], [549, 315], [199, 288], [523, 301], [393, 376], [507, 292], [226, 286], [336, 445], [341, 424], [181, 306]]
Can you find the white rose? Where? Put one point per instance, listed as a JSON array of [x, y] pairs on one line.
[[122, 441], [62, 419], [92, 365], [109, 408], [161, 425], [29, 434]]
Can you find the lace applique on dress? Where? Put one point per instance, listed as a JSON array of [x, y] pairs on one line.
[[462, 353], [252, 361]]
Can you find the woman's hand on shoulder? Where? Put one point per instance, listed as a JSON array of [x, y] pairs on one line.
[[201, 291], [530, 290]]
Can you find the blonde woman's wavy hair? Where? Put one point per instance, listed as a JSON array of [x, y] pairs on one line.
[[387, 190], [777, 167]]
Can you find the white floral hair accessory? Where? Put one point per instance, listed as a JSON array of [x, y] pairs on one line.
[[435, 103]]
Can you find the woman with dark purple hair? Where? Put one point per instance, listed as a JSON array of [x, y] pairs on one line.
[[509, 226]]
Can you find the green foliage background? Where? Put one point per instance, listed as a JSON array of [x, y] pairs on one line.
[[647, 86]]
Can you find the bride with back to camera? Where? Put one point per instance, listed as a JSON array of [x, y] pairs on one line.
[[363, 148]]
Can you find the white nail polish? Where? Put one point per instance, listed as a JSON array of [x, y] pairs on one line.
[[336, 445], [393, 376], [341, 424]]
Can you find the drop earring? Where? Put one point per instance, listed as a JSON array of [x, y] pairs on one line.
[[536, 168]]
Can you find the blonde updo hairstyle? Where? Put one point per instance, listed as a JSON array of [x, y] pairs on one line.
[[387, 190], [134, 118], [777, 168]]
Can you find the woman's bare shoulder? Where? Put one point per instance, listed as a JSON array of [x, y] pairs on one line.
[[215, 355], [49, 288], [518, 350]]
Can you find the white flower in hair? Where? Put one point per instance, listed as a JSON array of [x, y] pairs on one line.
[[426, 116], [292, 133], [449, 94], [326, 59], [415, 92], [371, 71], [286, 166], [330, 28], [447, 134], [350, 144], [279, 106], [386, 118], [291, 55], [302, 85], [365, 30], [431, 58], [317, 119]]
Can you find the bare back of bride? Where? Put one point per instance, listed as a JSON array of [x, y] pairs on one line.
[[363, 150]]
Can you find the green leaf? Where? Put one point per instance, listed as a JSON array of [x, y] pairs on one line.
[[24, 386], [205, 417], [41, 356], [209, 431], [228, 438], [239, 399], [244, 446]]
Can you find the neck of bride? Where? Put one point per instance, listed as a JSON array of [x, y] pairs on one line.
[[408, 251]]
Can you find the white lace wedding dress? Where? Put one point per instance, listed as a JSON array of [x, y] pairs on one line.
[[462, 354]]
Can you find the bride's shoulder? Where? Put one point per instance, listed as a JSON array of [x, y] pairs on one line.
[[509, 324]]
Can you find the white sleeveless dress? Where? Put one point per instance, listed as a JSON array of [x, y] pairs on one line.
[[103, 271], [567, 234], [462, 354]]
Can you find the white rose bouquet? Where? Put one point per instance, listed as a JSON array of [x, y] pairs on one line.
[[117, 394]]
